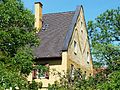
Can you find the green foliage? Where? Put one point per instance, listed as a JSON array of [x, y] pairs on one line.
[[23, 60], [101, 81], [105, 41], [33, 86], [40, 84], [104, 34], [112, 82], [16, 27], [17, 37], [97, 64], [67, 82], [10, 78]]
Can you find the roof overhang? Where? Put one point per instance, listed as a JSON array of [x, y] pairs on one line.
[[71, 28], [48, 58]]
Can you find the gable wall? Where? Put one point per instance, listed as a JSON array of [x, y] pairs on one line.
[[80, 36]]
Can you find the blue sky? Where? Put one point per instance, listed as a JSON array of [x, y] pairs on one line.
[[92, 8]]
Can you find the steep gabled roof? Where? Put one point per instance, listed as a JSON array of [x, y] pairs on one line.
[[56, 33]]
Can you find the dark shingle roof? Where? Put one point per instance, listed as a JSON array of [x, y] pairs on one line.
[[53, 34]]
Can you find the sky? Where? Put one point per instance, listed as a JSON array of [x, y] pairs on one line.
[[92, 8]]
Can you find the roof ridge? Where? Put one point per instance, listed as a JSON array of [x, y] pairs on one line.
[[60, 12]]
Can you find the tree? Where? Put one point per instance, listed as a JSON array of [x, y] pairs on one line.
[[104, 34], [17, 38]]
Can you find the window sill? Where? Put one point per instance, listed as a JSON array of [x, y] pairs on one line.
[[42, 78]]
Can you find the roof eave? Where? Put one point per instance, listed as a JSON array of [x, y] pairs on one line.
[[71, 29]]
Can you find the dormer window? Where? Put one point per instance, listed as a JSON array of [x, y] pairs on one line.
[[75, 47], [44, 27]]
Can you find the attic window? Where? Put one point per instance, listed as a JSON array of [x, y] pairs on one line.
[[75, 47], [81, 31], [81, 24], [44, 27]]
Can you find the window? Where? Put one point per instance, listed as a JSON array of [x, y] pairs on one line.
[[44, 27], [41, 71], [81, 27], [34, 74], [85, 73], [90, 74], [88, 57], [81, 23], [75, 47], [81, 31], [72, 72], [44, 72]]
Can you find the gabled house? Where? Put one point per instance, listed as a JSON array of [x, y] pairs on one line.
[[64, 44]]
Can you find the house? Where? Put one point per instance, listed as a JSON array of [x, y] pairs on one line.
[[64, 44]]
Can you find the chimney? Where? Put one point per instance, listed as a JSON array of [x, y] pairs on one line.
[[38, 16]]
